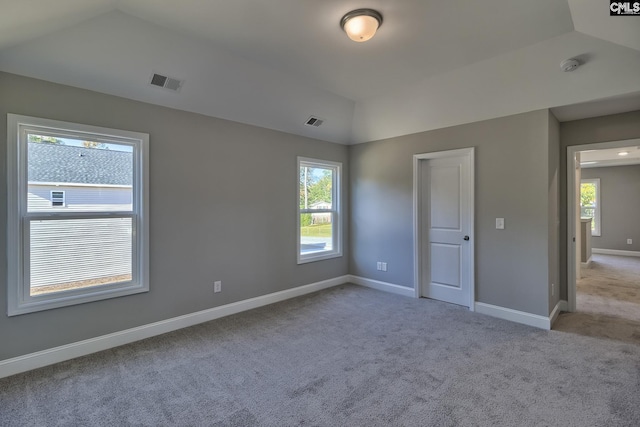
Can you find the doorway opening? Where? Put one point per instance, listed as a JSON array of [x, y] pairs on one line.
[[603, 234]]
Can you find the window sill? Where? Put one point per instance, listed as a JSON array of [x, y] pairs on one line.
[[318, 257], [65, 300]]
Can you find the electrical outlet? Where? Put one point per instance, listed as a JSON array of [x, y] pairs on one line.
[[629, 241], [379, 266], [384, 266], [217, 286], [499, 223]]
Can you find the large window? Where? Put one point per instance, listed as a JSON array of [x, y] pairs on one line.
[[77, 205], [319, 231], [590, 203]]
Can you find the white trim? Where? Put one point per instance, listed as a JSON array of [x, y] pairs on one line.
[[588, 263], [42, 358], [564, 305], [382, 286], [615, 252], [18, 276], [555, 313], [336, 210], [525, 318], [572, 166], [417, 226], [74, 184]]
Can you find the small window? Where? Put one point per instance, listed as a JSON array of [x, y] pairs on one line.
[[319, 231], [57, 199], [94, 248], [590, 203]]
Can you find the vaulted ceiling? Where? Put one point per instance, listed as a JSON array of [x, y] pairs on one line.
[[274, 64]]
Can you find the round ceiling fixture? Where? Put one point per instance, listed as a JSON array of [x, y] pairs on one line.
[[569, 65], [361, 24]]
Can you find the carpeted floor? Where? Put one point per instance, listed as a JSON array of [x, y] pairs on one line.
[[346, 356], [607, 299]]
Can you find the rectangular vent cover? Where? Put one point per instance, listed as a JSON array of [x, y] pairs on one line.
[[166, 82], [314, 121]]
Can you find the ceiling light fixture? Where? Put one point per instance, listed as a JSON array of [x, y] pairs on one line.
[[361, 24], [623, 153]]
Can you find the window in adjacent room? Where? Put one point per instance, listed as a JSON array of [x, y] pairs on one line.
[[319, 231], [57, 198], [590, 203], [97, 246]]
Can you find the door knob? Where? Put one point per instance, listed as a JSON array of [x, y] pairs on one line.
[[466, 237]]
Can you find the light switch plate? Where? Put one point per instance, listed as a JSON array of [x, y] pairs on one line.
[[499, 223]]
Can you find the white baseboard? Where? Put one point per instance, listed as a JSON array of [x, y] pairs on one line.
[[104, 342], [615, 252], [383, 286], [564, 305], [535, 320], [555, 313]]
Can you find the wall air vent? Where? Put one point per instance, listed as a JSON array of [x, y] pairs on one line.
[[314, 121], [166, 82]]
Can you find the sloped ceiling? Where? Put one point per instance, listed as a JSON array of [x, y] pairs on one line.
[[588, 19], [273, 64]]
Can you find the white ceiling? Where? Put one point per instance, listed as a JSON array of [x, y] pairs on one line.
[[273, 64], [611, 156]]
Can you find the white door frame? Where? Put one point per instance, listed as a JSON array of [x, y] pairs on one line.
[[417, 223], [571, 210]]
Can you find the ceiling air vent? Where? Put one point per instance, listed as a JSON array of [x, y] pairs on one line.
[[314, 121], [166, 82]]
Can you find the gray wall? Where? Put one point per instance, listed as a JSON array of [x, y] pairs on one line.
[[512, 181], [232, 201], [619, 206], [615, 127]]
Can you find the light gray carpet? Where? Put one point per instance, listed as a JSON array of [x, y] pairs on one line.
[[346, 356], [607, 299]]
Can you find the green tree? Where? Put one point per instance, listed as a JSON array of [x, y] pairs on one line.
[[94, 144], [588, 199], [315, 186], [304, 192], [587, 194], [41, 139], [320, 190]]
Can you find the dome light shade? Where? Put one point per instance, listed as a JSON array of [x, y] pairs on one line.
[[361, 24]]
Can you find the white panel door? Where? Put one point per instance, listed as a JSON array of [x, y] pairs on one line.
[[446, 216]]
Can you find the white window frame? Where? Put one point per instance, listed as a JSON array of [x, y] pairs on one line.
[[597, 217], [64, 199], [19, 218], [335, 210]]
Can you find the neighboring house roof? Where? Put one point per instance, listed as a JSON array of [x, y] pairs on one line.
[[320, 203], [69, 164]]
